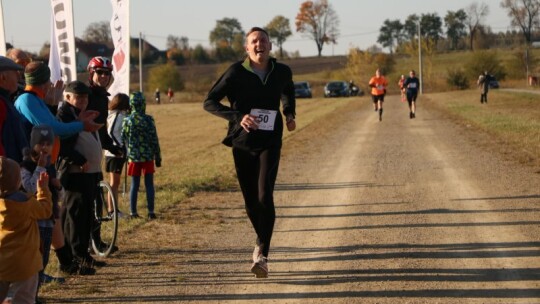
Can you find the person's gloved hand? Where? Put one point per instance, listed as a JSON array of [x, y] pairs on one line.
[[158, 163]]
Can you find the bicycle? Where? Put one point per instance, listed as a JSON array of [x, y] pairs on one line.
[[105, 228]]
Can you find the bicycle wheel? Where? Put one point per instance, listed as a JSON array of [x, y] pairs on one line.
[[106, 222]]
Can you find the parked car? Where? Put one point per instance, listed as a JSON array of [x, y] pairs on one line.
[[494, 84], [337, 89], [302, 89]]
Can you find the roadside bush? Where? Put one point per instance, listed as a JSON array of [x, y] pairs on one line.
[[482, 61], [163, 77], [457, 79]]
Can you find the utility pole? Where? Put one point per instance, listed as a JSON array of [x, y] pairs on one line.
[[140, 63], [420, 59]]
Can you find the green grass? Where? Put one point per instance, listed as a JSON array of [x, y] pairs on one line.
[[511, 117]]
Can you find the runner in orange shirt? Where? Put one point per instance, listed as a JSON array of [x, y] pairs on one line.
[[378, 84]]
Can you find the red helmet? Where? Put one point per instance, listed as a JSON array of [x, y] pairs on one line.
[[99, 62]]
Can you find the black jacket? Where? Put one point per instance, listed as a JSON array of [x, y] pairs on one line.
[[98, 100], [246, 91]]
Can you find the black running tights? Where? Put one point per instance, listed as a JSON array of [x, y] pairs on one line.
[[257, 172]]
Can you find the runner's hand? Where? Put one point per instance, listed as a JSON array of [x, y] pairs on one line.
[[249, 122]]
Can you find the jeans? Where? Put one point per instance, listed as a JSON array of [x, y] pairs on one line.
[[150, 192]]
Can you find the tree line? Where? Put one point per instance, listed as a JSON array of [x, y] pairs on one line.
[[318, 21]]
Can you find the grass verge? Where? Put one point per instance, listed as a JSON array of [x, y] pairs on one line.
[[510, 118]]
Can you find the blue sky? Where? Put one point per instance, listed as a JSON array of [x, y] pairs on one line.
[[27, 22]]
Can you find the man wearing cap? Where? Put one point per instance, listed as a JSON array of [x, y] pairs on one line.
[[13, 139], [81, 153], [32, 107]]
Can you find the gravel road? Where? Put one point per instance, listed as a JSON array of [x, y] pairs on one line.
[[399, 211]]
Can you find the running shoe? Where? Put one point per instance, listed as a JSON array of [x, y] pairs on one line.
[[134, 216], [411, 115], [380, 115], [260, 267], [152, 216]]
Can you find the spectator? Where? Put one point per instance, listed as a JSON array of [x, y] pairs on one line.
[[21, 58], [32, 107], [118, 109], [37, 160], [483, 83], [170, 94], [157, 95], [13, 138], [20, 259], [100, 71], [80, 166], [140, 135]]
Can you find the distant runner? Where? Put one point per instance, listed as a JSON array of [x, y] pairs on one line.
[[411, 85], [378, 84]]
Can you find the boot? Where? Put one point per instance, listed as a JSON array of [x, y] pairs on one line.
[[65, 260]]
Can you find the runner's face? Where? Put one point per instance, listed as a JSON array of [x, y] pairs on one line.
[[258, 46]]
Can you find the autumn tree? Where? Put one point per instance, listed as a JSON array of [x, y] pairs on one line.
[[164, 76], [475, 15], [227, 37], [317, 20], [390, 34], [98, 32], [455, 26], [524, 14], [279, 29]]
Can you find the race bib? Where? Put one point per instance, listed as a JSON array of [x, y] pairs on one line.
[[265, 118], [412, 85], [380, 87]]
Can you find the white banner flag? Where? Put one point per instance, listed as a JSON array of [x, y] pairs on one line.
[[121, 40], [62, 60], [2, 33]]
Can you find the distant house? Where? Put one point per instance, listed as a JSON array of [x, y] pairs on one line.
[[87, 50]]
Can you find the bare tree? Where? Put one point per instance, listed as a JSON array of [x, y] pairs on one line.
[[318, 20], [175, 42], [475, 15], [524, 14], [98, 32], [278, 30]]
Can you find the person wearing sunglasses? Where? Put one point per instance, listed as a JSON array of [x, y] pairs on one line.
[[100, 78]]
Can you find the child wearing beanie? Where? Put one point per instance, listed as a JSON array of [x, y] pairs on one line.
[[37, 159], [20, 258]]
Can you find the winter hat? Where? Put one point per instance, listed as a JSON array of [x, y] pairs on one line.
[[37, 73], [41, 134], [10, 176]]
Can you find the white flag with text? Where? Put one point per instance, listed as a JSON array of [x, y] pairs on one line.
[[62, 59], [121, 40]]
